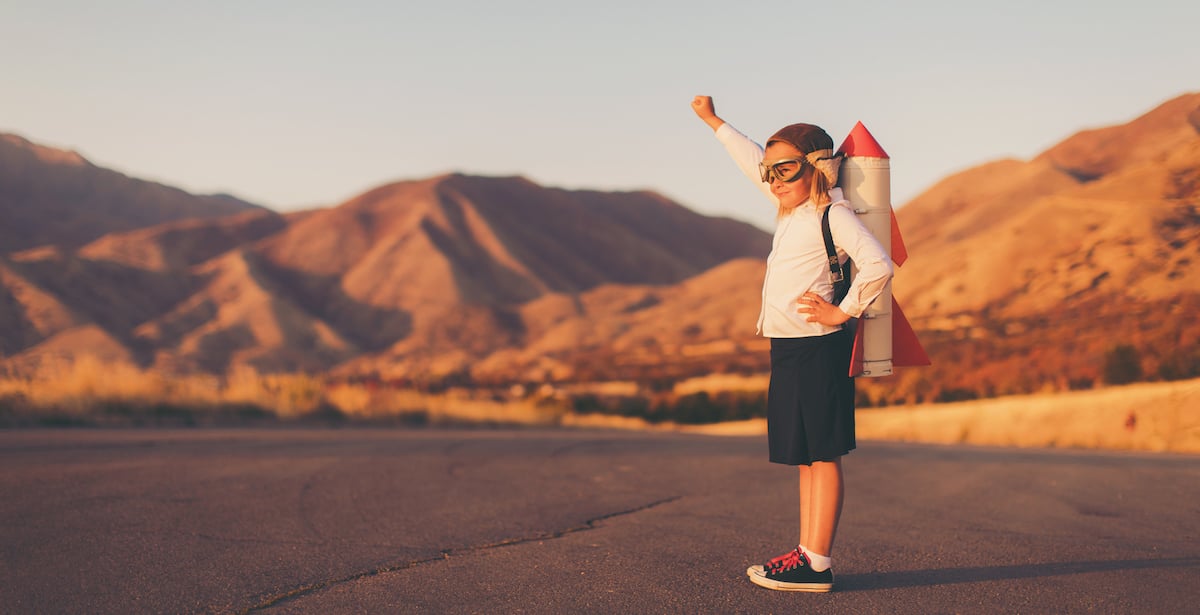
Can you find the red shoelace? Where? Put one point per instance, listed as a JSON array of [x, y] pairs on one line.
[[791, 559]]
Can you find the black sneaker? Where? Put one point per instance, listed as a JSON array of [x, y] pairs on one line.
[[783, 561], [795, 576]]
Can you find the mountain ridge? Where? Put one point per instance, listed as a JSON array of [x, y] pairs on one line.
[[1091, 245], [441, 263], [1023, 275], [58, 197]]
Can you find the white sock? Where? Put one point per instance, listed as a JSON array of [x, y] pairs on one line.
[[819, 563]]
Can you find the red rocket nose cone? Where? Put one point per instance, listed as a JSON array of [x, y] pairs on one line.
[[860, 142]]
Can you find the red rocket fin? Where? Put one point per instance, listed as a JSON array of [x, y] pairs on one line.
[[906, 348], [860, 142], [856, 355], [899, 252]]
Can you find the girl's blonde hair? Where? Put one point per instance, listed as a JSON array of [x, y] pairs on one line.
[[819, 190]]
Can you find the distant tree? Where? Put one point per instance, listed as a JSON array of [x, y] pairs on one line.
[[748, 406], [1122, 365], [633, 406], [587, 404], [1080, 383], [1180, 365], [659, 384], [695, 409], [862, 399], [955, 394]]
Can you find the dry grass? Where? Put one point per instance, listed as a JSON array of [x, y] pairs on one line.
[[1163, 416], [457, 406], [1144, 417], [81, 390], [88, 391]]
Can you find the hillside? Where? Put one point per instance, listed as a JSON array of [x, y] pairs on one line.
[[1031, 272], [55, 197]]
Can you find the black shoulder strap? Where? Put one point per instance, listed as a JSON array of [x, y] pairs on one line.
[[838, 275]]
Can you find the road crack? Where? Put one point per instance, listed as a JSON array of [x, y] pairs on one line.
[[446, 554]]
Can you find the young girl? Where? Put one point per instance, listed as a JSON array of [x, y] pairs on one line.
[[810, 399]]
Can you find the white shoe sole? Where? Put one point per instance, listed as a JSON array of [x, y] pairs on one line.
[[763, 581]]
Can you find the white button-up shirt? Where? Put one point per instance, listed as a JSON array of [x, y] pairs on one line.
[[798, 262]]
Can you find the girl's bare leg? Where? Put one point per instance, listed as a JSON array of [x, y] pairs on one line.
[[825, 495], [805, 506]]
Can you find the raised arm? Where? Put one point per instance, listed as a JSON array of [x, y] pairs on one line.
[[703, 106], [744, 151]]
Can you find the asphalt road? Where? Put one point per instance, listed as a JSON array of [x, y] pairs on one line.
[[426, 521]]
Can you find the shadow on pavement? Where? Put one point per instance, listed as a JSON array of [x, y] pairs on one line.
[[948, 576]]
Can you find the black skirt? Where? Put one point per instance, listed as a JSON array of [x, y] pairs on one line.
[[810, 401]]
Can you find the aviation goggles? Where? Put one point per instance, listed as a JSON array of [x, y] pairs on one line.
[[787, 171]]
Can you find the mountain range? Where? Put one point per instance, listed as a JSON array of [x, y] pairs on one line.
[[1022, 275], [1032, 272]]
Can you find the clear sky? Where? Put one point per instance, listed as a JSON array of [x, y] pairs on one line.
[[295, 104]]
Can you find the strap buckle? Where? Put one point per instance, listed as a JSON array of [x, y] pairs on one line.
[[835, 269]]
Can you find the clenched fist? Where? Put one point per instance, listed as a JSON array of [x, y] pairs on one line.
[[703, 106]]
